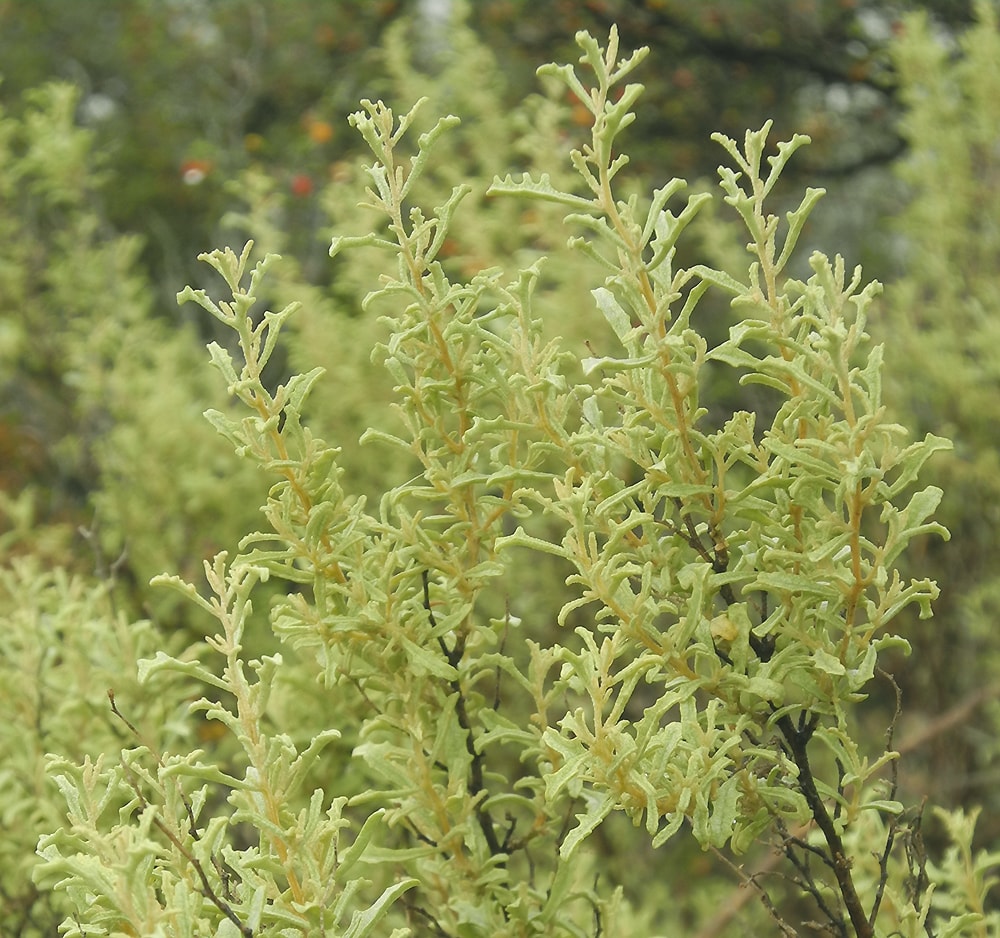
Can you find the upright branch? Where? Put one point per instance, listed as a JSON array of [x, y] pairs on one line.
[[747, 572]]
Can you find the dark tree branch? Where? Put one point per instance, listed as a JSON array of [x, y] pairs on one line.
[[797, 740], [824, 59], [477, 784]]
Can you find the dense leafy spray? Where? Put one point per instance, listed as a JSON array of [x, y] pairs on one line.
[[730, 583]]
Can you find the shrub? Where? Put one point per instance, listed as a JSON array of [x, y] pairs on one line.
[[420, 755]]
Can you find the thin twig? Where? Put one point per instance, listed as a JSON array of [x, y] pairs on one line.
[[740, 896], [720, 920], [890, 838], [133, 783], [206, 887]]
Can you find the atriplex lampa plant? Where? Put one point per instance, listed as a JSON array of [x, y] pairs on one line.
[[732, 585], [749, 574]]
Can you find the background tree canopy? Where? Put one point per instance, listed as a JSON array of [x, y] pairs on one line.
[[183, 95], [135, 135]]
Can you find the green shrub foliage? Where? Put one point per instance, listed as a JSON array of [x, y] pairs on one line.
[[944, 365], [423, 754], [102, 395]]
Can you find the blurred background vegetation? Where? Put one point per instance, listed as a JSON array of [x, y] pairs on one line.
[[135, 134]]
